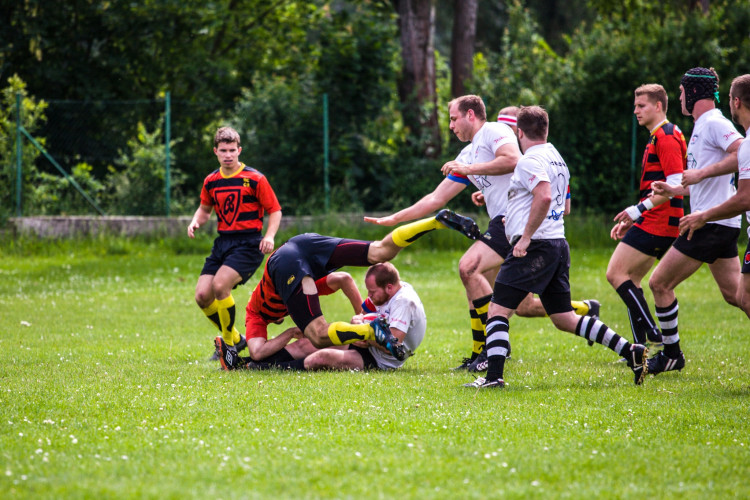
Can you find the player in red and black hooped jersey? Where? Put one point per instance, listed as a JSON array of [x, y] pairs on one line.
[[665, 155], [648, 228], [241, 196]]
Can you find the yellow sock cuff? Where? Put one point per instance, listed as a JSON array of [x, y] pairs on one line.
[[407, 234], [483, 309], [342, 333], [579, 307], [225, 303], [211, 309]]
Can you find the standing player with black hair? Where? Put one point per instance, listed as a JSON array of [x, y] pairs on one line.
[[712, 151], [648, 228]]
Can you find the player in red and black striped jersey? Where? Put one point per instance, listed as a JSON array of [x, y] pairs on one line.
[[241, 196], [648, 228]]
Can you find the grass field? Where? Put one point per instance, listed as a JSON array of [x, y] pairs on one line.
[[106, 392]]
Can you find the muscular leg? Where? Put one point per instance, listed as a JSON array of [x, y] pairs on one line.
[[401, 237], [477, 260], [625, 271], [674, 268], [726, 273], [213, 294], [334, 359], [743, 293], [627, 263]]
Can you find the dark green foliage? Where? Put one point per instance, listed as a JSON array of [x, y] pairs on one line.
[[264, 66], [591, 123]]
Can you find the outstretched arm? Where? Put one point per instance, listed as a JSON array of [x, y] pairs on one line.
[[735, 205], [260, 348], [726, 165], [443, 193]]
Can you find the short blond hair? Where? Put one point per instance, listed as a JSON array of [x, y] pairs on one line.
[[655, 93]]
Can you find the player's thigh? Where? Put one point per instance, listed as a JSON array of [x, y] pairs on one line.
[[226, 278], [674, 268], [628, 263], [726, 273], [478, 259]]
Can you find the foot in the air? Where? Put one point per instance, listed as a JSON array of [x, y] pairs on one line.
[[594, 308], [462, 224]]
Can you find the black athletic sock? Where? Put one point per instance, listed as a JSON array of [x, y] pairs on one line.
[[641, 321]]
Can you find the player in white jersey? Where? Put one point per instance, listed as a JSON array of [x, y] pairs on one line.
[[712, 157], [487, 163], [540, 259], [739, 104]]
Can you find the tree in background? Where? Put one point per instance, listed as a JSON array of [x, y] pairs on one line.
[[462, 44], [416, 83], [32, 117]]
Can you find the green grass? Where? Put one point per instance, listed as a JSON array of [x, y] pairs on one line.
[[106, 391]]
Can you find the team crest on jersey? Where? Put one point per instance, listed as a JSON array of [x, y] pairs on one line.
[[228, 204]]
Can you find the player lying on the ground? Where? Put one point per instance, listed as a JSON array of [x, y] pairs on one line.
[[391, 298]]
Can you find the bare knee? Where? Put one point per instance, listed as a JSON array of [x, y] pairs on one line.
[[468, 269], [614, 278], [204, 297]]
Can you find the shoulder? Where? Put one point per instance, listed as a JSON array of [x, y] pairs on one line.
[[210, 177]]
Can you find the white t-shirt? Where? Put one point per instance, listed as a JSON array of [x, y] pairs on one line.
[[539, 163], [712, 135], [404, 311], [743, 158], [484, 145]]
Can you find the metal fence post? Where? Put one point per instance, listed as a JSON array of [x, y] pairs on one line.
[[326, 184], [634, 122], [167, 140], [19, 151]]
